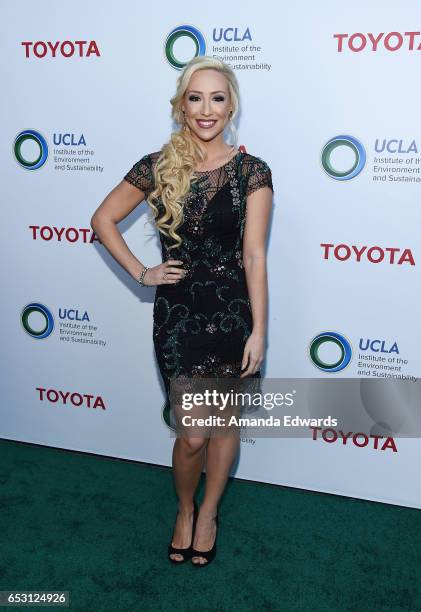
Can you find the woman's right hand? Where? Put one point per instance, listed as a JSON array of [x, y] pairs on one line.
[[166, 273]]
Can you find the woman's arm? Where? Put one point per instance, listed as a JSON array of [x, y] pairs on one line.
[[259, 204], [117, 205]]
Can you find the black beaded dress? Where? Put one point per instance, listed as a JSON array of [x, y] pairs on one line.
[[201, 323]]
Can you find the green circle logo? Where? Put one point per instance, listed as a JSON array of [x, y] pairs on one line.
[[337, 340], [41, 145], [180, 32], [46, 315], [347, 142]]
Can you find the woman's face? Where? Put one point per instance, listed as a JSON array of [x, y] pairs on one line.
[[207, 104]]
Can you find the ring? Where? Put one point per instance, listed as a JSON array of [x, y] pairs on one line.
[[165, 275]]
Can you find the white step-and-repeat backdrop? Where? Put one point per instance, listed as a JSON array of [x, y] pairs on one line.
[[330, 99]]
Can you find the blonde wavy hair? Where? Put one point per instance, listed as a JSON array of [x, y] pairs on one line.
[[174, 168]]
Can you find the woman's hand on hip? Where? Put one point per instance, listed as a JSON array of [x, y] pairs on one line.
[[166, 273]]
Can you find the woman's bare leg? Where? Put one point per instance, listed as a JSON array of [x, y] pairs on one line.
[[187, 459], [220, 454]]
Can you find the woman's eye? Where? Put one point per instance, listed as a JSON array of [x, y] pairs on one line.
[[217, 98]]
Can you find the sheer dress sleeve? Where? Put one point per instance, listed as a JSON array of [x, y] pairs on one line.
[[259, 176], [141, 175]]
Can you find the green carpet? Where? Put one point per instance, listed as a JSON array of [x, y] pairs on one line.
[[99, 528]]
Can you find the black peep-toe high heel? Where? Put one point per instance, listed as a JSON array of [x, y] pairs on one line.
[[209, 555], [185, 552]]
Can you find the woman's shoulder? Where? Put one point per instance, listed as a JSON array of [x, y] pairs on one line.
[[254, 164], [141, 174], [154, 155], [256, 172], [251, 161]]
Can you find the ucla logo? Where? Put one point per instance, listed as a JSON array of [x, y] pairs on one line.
[[72, 314], [343, 144], [69, 140], [39, 312], [231, 35], [180, 32], [395, 146], [329, 341], [30, 149], [378, 346]]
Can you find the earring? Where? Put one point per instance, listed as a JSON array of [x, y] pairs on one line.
[[184, 124]]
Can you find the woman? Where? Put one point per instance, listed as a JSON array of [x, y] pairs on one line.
[[209, 315]]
